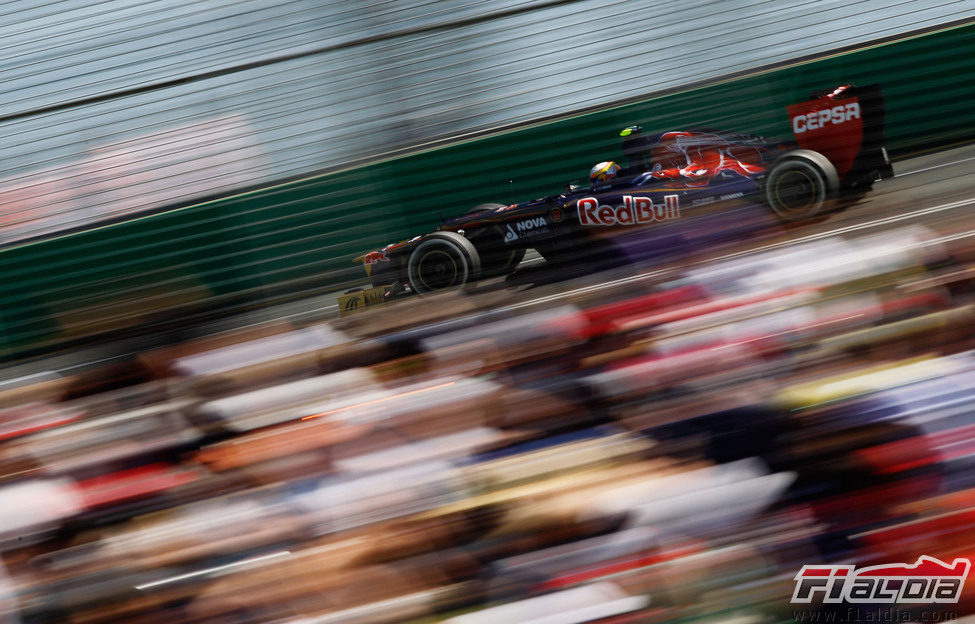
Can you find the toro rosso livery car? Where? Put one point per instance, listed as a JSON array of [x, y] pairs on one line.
[[837, 154]]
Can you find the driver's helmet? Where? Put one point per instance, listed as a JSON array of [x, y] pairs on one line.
[[604, 173]]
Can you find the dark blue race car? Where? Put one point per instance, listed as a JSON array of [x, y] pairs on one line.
[[837, 155]]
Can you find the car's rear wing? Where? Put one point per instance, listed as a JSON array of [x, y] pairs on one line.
[[846, 125]]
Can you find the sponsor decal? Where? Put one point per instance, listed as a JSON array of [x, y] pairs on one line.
[[633, 211], [527, 228], [356, 300], [831, 127], [732, 196], [375, 257], [818, 119], [929, 580], [372, 258], [703, 201], [557, 215], [531, 224]]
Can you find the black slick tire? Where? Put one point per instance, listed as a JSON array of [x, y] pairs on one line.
[[801, 185], [441, 261]]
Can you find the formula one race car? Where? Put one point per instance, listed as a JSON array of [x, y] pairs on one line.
[[837, 155]]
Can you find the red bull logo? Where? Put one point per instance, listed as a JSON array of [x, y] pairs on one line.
[[375, 257], [635, 210]]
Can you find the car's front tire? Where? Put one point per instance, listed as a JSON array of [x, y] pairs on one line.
[[442, 260], [800, 185]]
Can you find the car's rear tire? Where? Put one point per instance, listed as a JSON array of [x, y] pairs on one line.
[[442, 260], [800, 185]]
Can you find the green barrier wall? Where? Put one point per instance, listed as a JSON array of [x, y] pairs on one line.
[[301, 236]]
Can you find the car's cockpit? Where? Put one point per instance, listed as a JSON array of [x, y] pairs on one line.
[[637, 151]]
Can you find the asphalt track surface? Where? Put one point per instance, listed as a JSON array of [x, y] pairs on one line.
[[936, 191]]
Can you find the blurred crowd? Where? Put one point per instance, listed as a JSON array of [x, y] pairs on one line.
[[637, 452]]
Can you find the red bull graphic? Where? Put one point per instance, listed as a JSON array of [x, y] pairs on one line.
[[929, 580], [693, 159], [375, 257]]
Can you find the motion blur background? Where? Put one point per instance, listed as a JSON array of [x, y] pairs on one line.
[[115, 110], [189, 433], [112, 108]]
